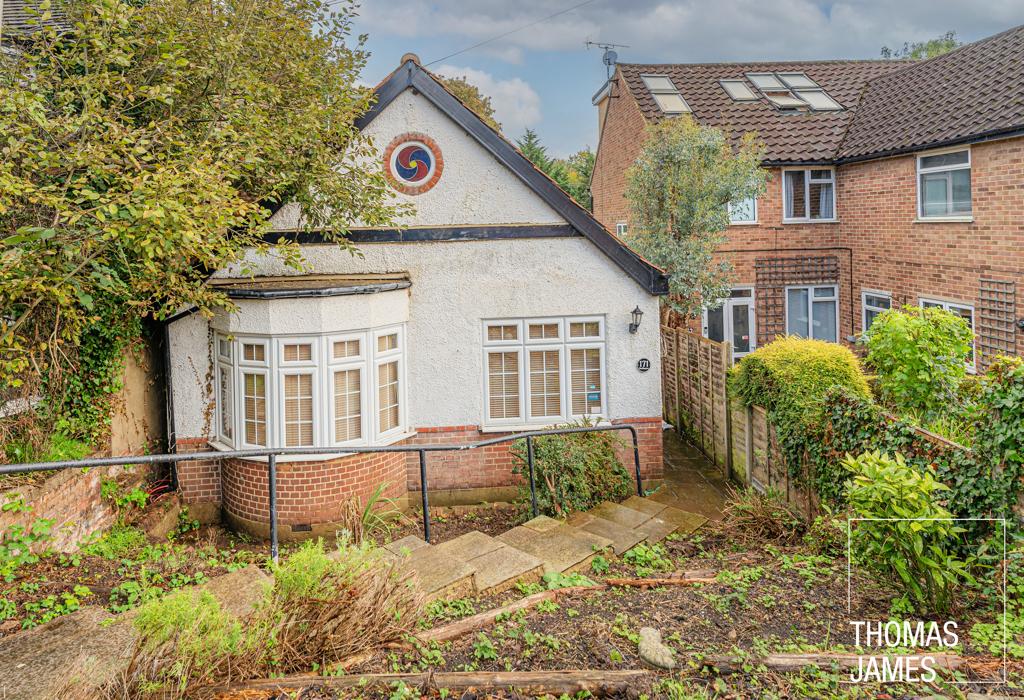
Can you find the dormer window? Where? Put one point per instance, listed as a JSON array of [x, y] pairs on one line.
[[665, 93]]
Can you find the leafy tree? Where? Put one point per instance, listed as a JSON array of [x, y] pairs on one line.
[[144, 148], [474, 99], [924, 49], [678, 191], [572, 174]]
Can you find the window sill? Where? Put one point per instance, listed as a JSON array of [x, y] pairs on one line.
[[333, 453], [525, 428], [787, 222], [945, 220], [744, 223]]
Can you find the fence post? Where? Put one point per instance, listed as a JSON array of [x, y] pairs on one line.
[[533, 483], [750, 446], [726, 362], [423, 493], [272, 498]]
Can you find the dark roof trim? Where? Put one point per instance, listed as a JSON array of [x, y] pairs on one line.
[[375, 288], [411, 75], [430, 234], [994, 135]]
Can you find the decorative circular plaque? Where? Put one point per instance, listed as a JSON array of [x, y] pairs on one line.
[[413, 163]]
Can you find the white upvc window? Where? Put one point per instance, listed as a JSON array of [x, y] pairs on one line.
[[327, 390], [944, 185], [872, 304], [543, 370], [964, 311], [743, 211], [621, 229], [813, 312], [808, 195]]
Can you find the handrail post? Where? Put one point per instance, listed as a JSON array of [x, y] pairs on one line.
[[533, 483], [423, 492], [272, 488], [636, 461]]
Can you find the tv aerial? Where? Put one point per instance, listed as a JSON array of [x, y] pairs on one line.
[[610, 57]]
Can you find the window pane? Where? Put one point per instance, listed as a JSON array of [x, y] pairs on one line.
[[539, 331], [821, 200], [961, 191], [934, 195], [716, 324], [226, 402], [931, 304], [797, 322], [584, 329], [796, 206], [741, 327], [510, 332], [738, 90], [387, 342], [824, 325], [797, 80], [743, 210], [824, 292], [345, 348], [387, 395], [503, 384], [945, 159], [879, 302], [255, 409], [545, 383], [298, 353], [670, 102], [585, 381], [224, 348], [254, 352], [766, 81], [348, 424], [298, 410], [658, 82]]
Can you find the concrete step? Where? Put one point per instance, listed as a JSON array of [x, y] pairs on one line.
[[622, 538], [562, 548], [437, 573], [623, 515], [644, 505], [684, 520], [496, 566]]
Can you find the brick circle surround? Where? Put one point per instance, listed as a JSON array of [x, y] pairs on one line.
[[310, 495], [404, 187]]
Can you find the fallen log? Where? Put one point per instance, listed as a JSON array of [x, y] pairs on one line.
[[599, 682], [789, 663], [653, 582]]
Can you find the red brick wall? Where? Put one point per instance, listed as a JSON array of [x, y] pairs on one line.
[[199, 480], [619, 145]]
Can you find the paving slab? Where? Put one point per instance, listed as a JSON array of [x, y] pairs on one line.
[[501, 568], [542, 523], [405, 546], [622, 538], [469, 546], [643, 505], [579, 519], [562, 549], [620, 514], [656, 529], [439, 575], [684, 520]]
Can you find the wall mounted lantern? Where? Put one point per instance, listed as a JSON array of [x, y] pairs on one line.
[[637, 316]]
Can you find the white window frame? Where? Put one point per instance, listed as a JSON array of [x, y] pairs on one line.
[[948, 306], [268, 402], [751, 222], [807, 195], [382, 358], [358, 362], [810, 306], [523, 347], [226, 364], [864, 306], [286, 368], [921, 216], [621, 228]]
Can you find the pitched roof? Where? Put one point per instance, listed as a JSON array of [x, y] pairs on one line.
[[411, 75], [789, 137], [974, 91]]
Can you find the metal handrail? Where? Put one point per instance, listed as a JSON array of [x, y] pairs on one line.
[[272, 453]]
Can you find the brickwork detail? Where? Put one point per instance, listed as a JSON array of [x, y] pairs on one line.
[[199, 480], [773, 275]]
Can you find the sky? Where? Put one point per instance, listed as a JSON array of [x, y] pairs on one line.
[[543, 77]]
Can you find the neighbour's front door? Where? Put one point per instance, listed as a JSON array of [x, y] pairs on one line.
[[733, 321]]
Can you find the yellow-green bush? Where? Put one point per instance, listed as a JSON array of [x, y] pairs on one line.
[[791, 375]]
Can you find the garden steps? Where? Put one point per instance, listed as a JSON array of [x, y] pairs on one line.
[[496, 566], [562, 548]]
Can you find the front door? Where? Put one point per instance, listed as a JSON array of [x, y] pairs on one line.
[[733, 321]]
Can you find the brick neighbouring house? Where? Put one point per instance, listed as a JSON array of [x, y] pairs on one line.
[[500, 305], [876, 130]]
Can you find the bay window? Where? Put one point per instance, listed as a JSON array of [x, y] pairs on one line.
[[310, 391], [809, 194], [813, 312], [944, 185], [543, 371]]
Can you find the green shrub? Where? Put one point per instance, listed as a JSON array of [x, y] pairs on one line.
[[906, 535], [573, 472], [920, 356]]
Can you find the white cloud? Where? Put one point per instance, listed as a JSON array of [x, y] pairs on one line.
[[516, 104]]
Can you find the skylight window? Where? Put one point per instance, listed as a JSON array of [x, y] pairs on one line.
[[766, 81], [665, 94], [738, 90], [818, 100], [785, 100], [797, 80]]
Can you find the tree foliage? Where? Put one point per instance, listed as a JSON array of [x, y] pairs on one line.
[[472, 97], [572, 174], [145, 147], [678, 191], [924, 49]]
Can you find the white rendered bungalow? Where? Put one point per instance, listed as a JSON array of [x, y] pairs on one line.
[[500, 306]]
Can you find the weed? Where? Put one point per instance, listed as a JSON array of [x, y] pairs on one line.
[[547, 606], [554, 580], [599, 565], [483, 649], [647, 559]]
